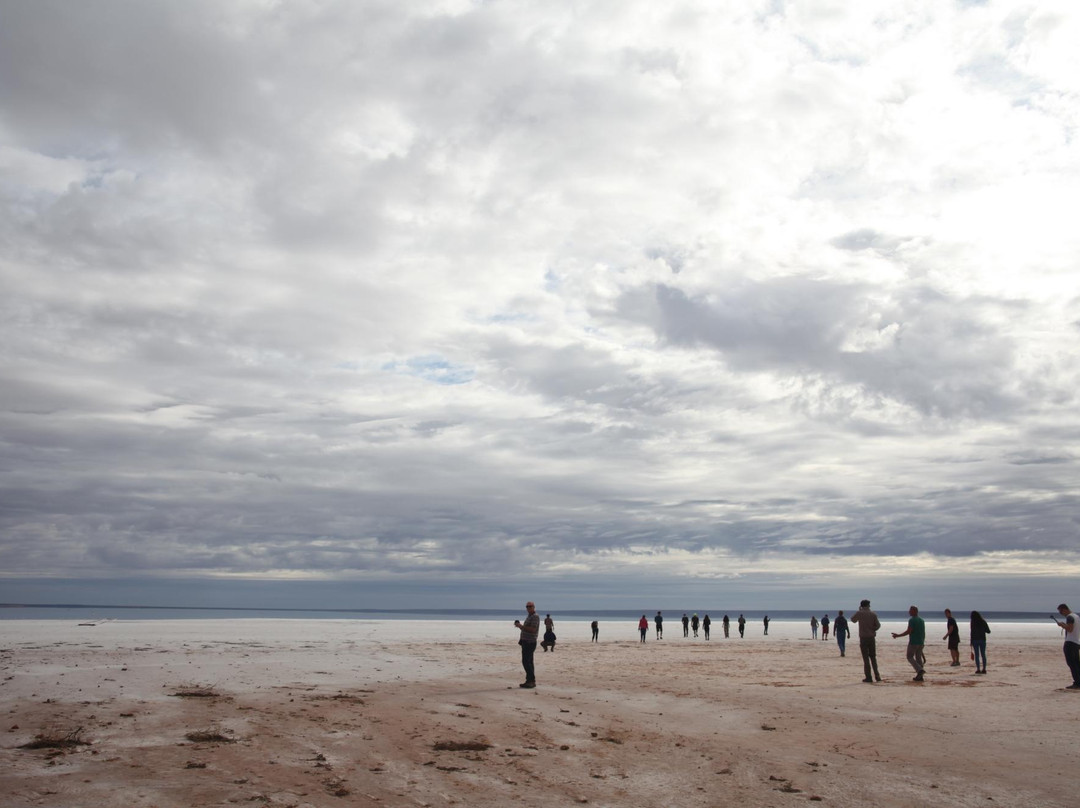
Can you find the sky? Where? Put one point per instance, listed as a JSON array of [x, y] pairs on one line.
[[458, 301]]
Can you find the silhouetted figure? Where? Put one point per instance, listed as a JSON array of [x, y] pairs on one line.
[[841, 631], [978, 631], [869, 625]]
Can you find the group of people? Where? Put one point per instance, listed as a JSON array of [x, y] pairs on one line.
[[865, 618], [691, 623]]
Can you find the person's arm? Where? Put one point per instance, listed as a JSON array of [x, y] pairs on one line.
[[903, 633]]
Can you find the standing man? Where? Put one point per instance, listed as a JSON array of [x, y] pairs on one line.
[[705, 623], [727, 625], [841, 631], [766, 623], [1071, 627], [595, 631], [916, 634], [952, 634], [868, 629], [742, 626], [825, 627], [529, 631], [685, 625], [659, 623]]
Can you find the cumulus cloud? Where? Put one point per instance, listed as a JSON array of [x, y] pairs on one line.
[[448, 288]]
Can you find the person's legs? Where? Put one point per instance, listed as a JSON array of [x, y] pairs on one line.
[[841, 641], [865, 648], [979, 646], [913, 657], [1072, 659], [527, 651], [873, 658]]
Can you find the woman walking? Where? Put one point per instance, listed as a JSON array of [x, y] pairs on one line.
[[979, 630]]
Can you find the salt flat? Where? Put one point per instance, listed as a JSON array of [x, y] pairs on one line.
[[344, 712]]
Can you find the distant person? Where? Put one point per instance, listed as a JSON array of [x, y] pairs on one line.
[[596, 631], [694, 623], [549, 641], [916, 634], [978, 631], [825, 627], [549, 624], [765, 622], [952, 637], [727, 625], [705, 623], [813, 626], [742, 626], [530, 630], [869, 625], [1071, 626], [643, 627], [658, 621], [841, 631], [685, 625]]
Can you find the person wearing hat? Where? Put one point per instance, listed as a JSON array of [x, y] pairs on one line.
[[869, 625], [527, 640]]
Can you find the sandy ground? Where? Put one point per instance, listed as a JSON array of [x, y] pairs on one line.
[[310, 714]]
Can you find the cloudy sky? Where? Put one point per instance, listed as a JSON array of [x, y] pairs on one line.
[[578, 297]]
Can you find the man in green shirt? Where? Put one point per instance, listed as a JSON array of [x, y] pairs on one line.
[[916, 634]]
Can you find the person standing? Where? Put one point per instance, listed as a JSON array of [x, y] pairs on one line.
[[694, 623], [549, 624], [868, 629], [979, 629], [825, 627], [841, 631], [643, 627], [658, 621], [916, 634], [530, 629], [1071, 627], [685, 625], [596, 631], [742, 626], [952, 636], [727, 625], [705, 623], [813, 626], [765, 622]]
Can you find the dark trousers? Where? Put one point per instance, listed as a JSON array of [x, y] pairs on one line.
[[868, 648], [527, 651], [1072, 659]]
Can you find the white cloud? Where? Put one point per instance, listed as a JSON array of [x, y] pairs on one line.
[[370, 288]]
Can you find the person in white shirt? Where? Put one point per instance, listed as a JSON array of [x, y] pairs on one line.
[[1071, 627]]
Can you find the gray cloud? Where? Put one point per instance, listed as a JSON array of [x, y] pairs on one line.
[[353, 289]]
